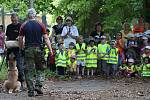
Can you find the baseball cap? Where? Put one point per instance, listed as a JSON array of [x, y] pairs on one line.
[[131, 60], [147, 32], [103, 37], [147, 47]]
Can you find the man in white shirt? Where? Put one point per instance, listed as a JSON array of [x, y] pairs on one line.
[[70, 32]]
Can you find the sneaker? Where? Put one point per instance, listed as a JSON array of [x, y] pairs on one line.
[[39, 91], [31, 94]]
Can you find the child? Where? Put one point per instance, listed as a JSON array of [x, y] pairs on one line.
[[146, 52], [91, 59], [113, 58], [130, 69], [145, 67], [81, 55], [72, 65], [132, 49], [51, 59], [71, 51], [103, 49], [61, 59]]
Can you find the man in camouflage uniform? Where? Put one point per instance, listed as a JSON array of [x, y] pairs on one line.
[[34, 31]]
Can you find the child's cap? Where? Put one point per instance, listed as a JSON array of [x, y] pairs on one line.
[[139, 35], [103, 37], [146, 58], [71, 44], [131, 60], [147, 47], [147, 32], [112, 42], [91, 40], [96, 37], [60, 43]]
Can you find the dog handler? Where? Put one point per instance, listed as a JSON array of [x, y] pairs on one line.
[[34, 31]]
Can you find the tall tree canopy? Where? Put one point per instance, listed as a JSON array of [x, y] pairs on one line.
[[111, 13]]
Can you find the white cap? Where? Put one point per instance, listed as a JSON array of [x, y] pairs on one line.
[[69, 18], [31, 12], [147, 47], [131, 60], [147, 32], [103, 37]]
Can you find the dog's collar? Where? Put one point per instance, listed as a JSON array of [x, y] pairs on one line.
[[12, 70]]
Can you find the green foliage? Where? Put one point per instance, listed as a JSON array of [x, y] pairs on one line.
[[3, 72], [44, 6], [111, 13], [119, 11]]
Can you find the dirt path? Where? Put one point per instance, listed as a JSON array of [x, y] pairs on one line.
[[94, 89]]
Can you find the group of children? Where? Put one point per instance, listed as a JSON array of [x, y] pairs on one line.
[[92, 58]]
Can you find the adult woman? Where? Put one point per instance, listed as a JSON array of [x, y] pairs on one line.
[[126, 30], [57, 29], [69, 32], [98, 31]]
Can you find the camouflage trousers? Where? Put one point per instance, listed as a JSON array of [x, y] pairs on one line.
[[34, 66]]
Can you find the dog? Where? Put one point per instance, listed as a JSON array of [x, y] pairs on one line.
[[12, 85]]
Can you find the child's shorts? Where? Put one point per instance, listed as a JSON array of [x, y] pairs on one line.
[[72, 69], [79, 62]]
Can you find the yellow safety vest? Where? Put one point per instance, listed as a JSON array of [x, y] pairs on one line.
[[145, 69], [61, 59], [81, 55], [113, 56], [69, 54], [91, 59], [103, 51]]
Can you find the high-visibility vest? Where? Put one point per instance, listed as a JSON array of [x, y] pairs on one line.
[[130, 69], [113, 56], [81, 55], [103, 51], [69, 54], [145, 69], [61, 59], [91, 58]]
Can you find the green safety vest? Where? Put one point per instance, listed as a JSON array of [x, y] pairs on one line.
[[69, 54], [61, 59], [91, 58], [81, 55], [102, 51], [145, 69], [113, 56]]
